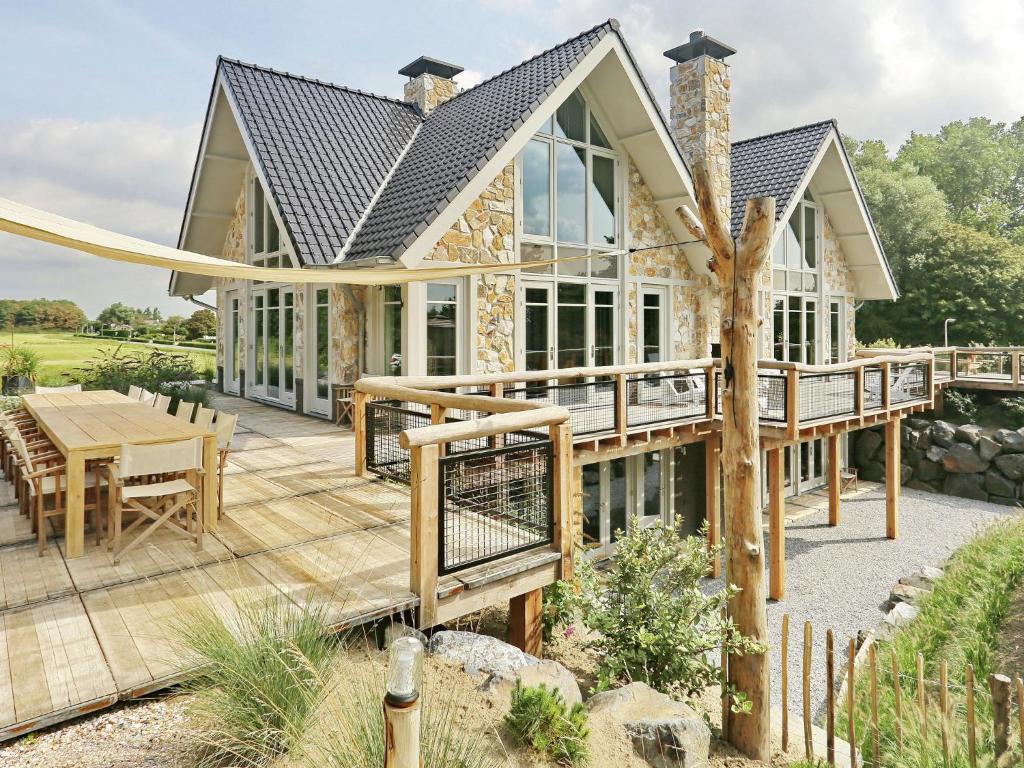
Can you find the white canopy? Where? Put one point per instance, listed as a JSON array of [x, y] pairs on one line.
[[30, 222]]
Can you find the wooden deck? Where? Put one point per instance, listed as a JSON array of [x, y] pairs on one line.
[[78, 635]]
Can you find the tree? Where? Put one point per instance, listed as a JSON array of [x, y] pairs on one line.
[[174, 326], [202, 323], [116, 314]]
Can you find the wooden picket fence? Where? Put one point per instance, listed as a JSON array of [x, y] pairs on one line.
[[956, 721]]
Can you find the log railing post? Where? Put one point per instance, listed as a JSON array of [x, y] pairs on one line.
[[792, 403], [360, 399], [561, 486], [438, 415], [423, 563], [952, 364], [777, 523], [858, 395], [834, 479], [711, 392], [621, 406], [1015, 367], [893, 479], [999, 685], [886, 384]]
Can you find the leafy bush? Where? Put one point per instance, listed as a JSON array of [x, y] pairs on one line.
[[539, 718], [886, 343], [961, 404], [657, 625], [1012, 411], [156, 370], [569, 602]]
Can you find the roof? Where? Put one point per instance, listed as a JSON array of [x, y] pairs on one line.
[[455, 142], [773, 165], [324, 150]]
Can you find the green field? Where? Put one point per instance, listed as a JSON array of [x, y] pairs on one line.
[[62, 352]]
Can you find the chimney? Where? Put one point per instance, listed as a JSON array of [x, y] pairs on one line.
[[699, 101], [431, 82]]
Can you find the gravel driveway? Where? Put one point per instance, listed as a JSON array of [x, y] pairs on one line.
[[840, 578]]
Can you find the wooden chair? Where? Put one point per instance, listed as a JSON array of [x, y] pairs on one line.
[[135, 393], [58, 390], [184, 411], [172, 500], [346, 403], [225, 429], [204, 417], [45, 480], [162, 403]]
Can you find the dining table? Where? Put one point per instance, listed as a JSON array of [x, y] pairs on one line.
[[94, 425]]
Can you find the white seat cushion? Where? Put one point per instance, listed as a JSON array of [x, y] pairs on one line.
[[168, 488]]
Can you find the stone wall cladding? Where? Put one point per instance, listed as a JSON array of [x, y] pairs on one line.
[[233, 250], [428, 91], [345, 342]]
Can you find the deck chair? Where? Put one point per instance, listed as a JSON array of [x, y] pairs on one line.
[[135, 393], [45, 489], [162, 403], [204, 417], [683, 391], [900, 389], [172, 500], [184, 411], [58, 390], [225, 429]]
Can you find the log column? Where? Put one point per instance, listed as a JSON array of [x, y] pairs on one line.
[[834, 480], [777, 523], [892, 477]]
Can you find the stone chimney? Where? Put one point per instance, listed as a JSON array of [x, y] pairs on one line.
[[699, 101], [431, 82]]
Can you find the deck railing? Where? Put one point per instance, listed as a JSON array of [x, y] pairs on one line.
[[983, 367]]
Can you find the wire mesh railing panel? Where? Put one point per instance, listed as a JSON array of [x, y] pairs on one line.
[[591, 404], [827, 395], [772, 391], [984, 365], [385, 421], [943, 370], [907, 382], [872, 388], [494, 503], [660, 398]]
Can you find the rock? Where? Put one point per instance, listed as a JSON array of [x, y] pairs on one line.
[[929, 470], [919, 424], [943, 434], [924, 442], [550, 673], [999, 485], [479, 653], [965, 486], [962, 458], [904, 593], [936, 453], [867, 445], [913, 456], [666, 733], [1000, 435], [968, 433], [1011, 465], [902, 614], [873, 471], [907, 435], [921, 485], [1013, 442], [923, 578], [906, 474], [988, 448], [1006, 501]]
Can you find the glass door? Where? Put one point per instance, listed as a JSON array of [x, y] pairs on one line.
[[319, 396], [650, 486], [232, 344], [652, 324], [604, 506], [538, 326], [274, 344]]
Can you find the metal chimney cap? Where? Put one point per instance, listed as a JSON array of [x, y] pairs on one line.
[[700, 44], [425, 65]]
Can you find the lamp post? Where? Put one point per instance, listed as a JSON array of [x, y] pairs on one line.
[[402, 704], [945, 330]]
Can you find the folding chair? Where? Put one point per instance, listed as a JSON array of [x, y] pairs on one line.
[[172, 500], [225, 430], [58, 390], [184, 411], [204, 417]]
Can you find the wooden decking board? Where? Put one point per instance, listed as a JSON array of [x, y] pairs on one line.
[[27, 578], [269, 458], [308, 478], [274, 524], [248, 488]]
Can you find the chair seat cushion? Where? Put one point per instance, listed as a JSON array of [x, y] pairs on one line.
[[148, 490]]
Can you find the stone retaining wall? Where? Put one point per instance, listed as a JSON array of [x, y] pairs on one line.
[[937, 456]]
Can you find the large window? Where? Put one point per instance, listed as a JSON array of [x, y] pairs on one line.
[[570, 193], [392, 305], [442, 323], [267, 244], [795, 257]]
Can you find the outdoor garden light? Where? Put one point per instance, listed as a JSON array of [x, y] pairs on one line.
[[405, 671]]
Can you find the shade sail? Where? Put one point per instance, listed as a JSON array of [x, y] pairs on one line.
[[36, 224]]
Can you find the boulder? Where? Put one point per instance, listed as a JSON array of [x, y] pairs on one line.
[[919, 424], [1011, 465], [868, 443], [904, 593], [666, 733], [924, 442], [968, 433], [943, 434], [965, 486], [549, 673], [997, 484], [929, 470], [988, 448], [1013, 442], [963, 459], [906, 474], [1006, 501], [872, 471], [923, 578], [907, 435], [921, 485], [936, 453], [1000, 435], [913, 456], [902, 614], [479, 654]]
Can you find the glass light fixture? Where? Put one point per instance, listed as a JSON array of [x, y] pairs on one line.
[[405, 671]]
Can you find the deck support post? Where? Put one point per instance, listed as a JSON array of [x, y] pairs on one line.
[[777, 523], [893, 478], [525, 629], [423, 563], [713, 498], [359, 401], [563, 504], [834, 480]]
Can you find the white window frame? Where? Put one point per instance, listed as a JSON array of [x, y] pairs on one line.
[[284, 252], [312, 401], [420, 322]]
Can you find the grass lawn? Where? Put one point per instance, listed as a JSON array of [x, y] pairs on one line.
[[62, 352]]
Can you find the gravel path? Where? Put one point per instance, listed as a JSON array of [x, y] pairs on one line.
[[840, 578]]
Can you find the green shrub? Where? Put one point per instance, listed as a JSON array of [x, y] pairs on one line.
[[19, 361], [156, 370], [1012, 411], [539, 718], [656, 624], [569, 602], [961, 404]]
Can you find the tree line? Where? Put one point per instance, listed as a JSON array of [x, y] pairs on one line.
[[42, 314], [65, 315], [949, 209]]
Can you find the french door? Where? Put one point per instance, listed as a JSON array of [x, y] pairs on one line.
[[273, 348], [232, 343], [567, 324], [616, 490], [318, 345]]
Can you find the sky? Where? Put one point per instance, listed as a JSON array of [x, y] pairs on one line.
[[103, 101]]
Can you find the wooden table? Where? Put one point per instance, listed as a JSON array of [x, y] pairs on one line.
[[94, 425]]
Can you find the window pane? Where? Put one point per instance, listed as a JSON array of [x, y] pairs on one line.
[[597, 137], [322, 347], [652, 328], [604, 328], [604, 266], [546, 126], [273, 236], [274, 343], [576, 268], [531, 252], [571, 338], [572, 293], [441, 330], [792, 236], [602, 201], [441, 292], [393, 293], [289, 344], [236, 348], [652, 484], [591, 505], [795, 337], [392, 336], [811, 332], [570, 183], [617, 497], [537, 188], [259, 208], [571, 118], [779, 279], [779, 330], [537, 329], [779, 252], [260, 340], [810, 251]]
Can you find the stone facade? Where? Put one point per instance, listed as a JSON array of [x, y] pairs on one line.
[[234, 250], [428, 91], [345, 341]]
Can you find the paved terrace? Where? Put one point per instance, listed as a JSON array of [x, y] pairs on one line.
[[77, 635]]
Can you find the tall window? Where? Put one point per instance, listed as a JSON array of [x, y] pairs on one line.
[[442, 340], [392, 302], [795, 258], [323, 347], [268, 248]]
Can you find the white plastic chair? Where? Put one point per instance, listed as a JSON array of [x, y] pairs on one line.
[[58, 390], [161, 502], [225, 431]]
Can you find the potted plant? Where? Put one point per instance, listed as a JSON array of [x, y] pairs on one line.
[[18, 369]]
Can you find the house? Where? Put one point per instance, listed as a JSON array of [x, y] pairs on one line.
[[566, 154]]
